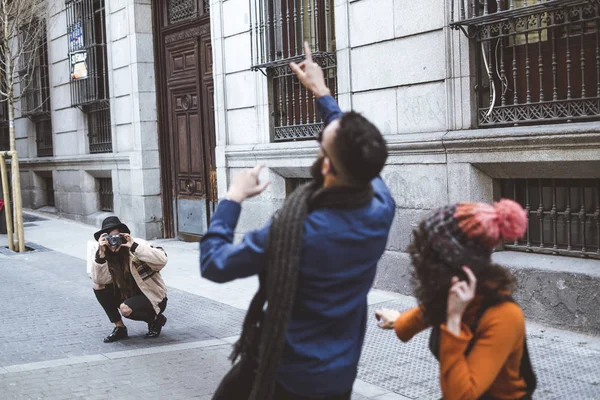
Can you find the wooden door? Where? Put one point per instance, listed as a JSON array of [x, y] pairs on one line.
[[186, 125]]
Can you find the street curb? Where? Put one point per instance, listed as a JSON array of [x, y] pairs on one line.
[[111, 356]]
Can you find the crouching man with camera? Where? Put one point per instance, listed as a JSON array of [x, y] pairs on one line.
[[127, 280]]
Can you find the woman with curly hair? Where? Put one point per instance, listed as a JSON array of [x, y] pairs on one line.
[[478, 331]]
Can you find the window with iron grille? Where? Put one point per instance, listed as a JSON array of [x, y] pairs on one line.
[[43, 137], [86, 29], [564, 215], [105, 191], [292, 184], [538, 61], [182, 10], [33, 72], [35, 86], [99, 131], [278, 30]]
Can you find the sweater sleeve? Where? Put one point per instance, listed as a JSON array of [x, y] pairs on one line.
[[500, 330], [409, 323], [155, 257], [99, 272]]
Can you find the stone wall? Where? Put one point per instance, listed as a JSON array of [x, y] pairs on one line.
[[133, 165], [402, 67]]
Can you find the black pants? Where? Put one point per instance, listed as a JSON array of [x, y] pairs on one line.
[[282, 394], [141, 308]]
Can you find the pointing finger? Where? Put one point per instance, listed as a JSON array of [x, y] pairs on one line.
[[307, 51]]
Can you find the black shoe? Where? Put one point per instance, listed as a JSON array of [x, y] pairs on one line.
[[120, 332], [155, 326]]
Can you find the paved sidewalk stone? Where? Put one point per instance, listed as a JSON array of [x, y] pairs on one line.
[[54, 314], [565, 370], [52, 328]]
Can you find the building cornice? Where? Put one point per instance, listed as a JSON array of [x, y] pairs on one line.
[[87, 160]]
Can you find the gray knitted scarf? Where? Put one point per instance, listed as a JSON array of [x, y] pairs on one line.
[[263, 334]]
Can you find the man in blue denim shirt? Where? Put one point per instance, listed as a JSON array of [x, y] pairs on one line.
[[339, 251]]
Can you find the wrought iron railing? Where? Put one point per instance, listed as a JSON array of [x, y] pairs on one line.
[[105, 191], [43, 137], [278, 30], [182, 10], [86, 30], [99, 132], [564, 215], [87, 52], [537, 60], [34, 77]]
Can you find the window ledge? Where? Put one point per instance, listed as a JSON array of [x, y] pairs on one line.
[[524, 261]]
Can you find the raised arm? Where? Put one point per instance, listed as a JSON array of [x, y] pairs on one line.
[[220, 259], [311, 76]]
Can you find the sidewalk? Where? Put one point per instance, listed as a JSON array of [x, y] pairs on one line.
[[51, 338]]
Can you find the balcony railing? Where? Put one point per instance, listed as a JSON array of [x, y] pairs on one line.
[[538, 61]]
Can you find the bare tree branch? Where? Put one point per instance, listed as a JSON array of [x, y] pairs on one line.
[[23, 25]]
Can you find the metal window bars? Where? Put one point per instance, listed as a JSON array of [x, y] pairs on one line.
[[33, 73], [564, 215], [87, 52], [105, 191], [278, 30], [99, 132], [183, 10], [88, 61], [538, 61], [43, 137]]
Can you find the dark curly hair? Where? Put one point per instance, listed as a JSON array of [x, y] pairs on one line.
[[432, 276]]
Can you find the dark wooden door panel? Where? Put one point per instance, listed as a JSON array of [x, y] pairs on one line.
[[186, 108]]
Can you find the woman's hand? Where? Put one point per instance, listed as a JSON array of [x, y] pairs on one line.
[[102, 244], [461, 293], [127, 240], [386, 318]]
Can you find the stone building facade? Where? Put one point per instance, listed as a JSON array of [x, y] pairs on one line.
[[86, 129], [421, 72], [477, 101]]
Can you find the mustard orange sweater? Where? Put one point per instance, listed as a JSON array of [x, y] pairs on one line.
[[493, 364]]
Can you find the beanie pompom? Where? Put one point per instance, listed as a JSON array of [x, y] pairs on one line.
[[512, 219]]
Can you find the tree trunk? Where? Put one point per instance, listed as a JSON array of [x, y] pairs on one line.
[[15, 173]]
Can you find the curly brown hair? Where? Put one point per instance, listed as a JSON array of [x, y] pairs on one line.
[[432, 276]]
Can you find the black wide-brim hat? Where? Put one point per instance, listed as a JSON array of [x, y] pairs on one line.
[[110, 224]]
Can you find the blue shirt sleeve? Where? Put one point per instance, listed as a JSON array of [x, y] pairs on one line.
[[328, 109], [220, 259], [382, 192]]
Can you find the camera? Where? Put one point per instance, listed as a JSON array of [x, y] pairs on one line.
[[114, 240]]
